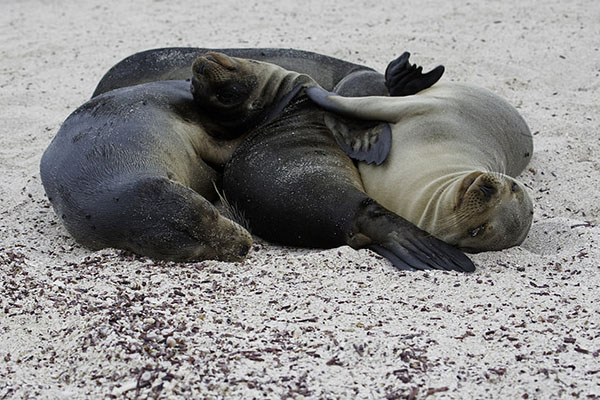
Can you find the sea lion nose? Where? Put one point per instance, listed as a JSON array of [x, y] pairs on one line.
[[222, 59], [244, 250], [211, 58], [199, 67]]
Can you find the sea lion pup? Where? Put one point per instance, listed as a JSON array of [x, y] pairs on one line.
[[295, 186], [134, 168], [455, 152]]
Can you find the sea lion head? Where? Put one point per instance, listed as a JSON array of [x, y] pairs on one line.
[[238, 93], [228, 241], [492, 211]]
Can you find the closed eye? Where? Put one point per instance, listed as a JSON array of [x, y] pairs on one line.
[[476, 231], [232, 93], [227, 96]]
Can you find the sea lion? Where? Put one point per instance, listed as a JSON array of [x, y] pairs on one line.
[[174, 63], [134, 168], [455, 152]]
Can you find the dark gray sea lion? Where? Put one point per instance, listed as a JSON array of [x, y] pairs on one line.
[[456, 150], [134, 168]]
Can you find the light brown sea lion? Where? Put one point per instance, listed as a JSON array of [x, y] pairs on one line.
[[456, 150]]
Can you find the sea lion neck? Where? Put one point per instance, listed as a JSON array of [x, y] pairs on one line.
[[298, 113], [281, 92], [300, 117]]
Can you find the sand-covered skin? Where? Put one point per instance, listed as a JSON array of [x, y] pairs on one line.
[[296, 323]]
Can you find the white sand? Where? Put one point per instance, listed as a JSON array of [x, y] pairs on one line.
[[294, 323]]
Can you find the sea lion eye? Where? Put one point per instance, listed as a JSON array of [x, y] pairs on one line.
[[514, 187], [477, 231], [232, 93], [226, 97]]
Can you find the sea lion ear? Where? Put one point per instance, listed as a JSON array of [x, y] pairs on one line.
[[366, 141]]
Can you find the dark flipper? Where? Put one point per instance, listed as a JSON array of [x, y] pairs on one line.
[[404, 79], [361, 140], [405, 245], [368, 141]]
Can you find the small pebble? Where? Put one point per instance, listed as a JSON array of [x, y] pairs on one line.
[[146, 376]]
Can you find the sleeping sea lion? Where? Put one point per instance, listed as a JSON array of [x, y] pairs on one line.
[[455, 152]]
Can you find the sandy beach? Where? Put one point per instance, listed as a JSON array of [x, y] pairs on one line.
[[304, 323]]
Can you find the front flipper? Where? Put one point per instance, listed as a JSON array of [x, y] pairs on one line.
[[404, 79], [323, 98], [361, 140], [405, 245], [371, 108]]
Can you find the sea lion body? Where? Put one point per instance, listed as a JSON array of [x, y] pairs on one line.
[[134, 168], [296, 187], [455, 152]]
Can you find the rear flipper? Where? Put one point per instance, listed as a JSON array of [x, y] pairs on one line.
[[404, 79], [162, 219], [405, 245]]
